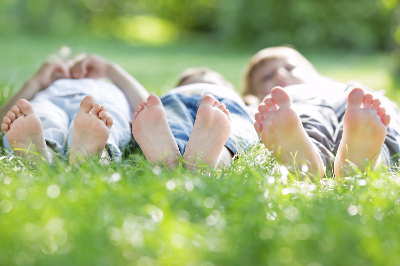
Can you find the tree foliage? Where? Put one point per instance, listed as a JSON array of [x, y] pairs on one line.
[[363, 24]]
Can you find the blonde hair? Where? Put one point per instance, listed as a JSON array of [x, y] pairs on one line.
[[267, 55], [203, 75]]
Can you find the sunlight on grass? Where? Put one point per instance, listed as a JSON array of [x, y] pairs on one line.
[[377, 79], [144, 30], [251, 213]]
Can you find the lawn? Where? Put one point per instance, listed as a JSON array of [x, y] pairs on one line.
[[136, 213]]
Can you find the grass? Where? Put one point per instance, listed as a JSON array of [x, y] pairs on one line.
[[135, 213]]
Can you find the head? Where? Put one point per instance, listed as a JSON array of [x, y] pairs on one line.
[[202, 75], [276, 66]]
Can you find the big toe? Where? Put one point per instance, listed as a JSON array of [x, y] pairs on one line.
[[87, 104], [25, 107], [153, 100], [356, 97], [280, 97], [208, 99]]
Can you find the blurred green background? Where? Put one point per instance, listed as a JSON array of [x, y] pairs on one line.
[[156, 40], [363, 24]]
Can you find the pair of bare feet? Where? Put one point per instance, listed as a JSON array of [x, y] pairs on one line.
[[211, 130], [364, 131], [24, 131]]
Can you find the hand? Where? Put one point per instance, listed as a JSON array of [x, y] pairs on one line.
[[91, 66], [51, 71]]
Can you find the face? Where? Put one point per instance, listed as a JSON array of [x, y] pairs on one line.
[[281, 72]]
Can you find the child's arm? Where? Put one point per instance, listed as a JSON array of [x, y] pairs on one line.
[[94, 66], [49, 72]]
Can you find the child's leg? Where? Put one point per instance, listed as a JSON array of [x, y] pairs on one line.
[[24, 131], [282, 132], [242, 134], [162, 133], [181, 113], [390, 151], [120, 135], [210, 132], [69, 95], [364, 130], [151, 131], [92, 127], [54, 124]]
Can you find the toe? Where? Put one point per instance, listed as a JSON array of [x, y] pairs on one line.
[[139, 108], [144, 105], [270, 104], [208, 99], [103, 116], [6, 120], [386, 119], [263, 109], [367, 100], [109, 122], [280, 97], [226, 111], [103, 108], [11, 115], [258, 127], [375, 104], [216, 103], [153, 100], [15, 109], [96, 108], [356, 97], [222, 107], [87, 104], [259, 117], [381, 111], [5, 127], [25, 107]]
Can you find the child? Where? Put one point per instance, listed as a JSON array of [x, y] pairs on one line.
[[202, 75], [193, 121], [306, 119], [63, 111]]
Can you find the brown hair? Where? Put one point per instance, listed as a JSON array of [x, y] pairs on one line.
[[266, 55], [204, 75]]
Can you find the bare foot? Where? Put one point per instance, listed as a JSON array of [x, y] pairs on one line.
[[364, 131], [283, 134], [151, 131], [24, 131], [91, 130], [210, 132]]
